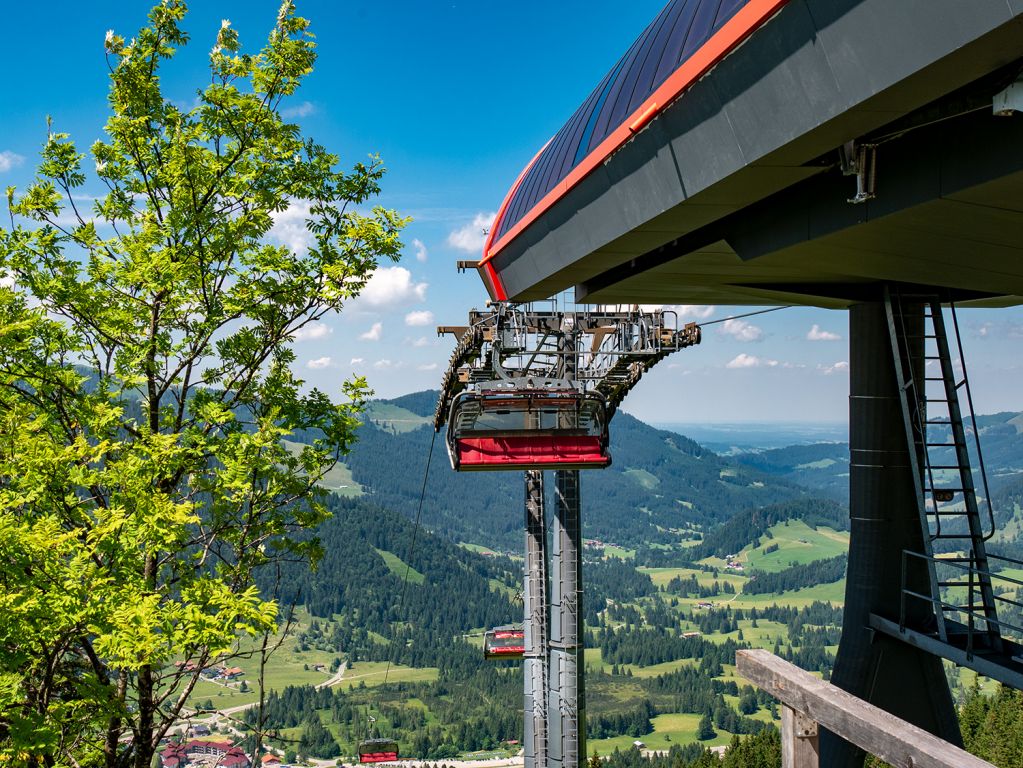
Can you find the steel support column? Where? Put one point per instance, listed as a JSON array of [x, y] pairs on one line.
[[567, 721], [566, 711], [535, 625], [884, 521]]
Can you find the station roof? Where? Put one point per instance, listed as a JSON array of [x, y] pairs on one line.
[[706, 167]]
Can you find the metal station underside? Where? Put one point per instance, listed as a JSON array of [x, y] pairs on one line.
[[735, 193]]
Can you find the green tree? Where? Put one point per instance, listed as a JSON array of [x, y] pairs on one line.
[[146, 389], [705, 729], [973, 714]]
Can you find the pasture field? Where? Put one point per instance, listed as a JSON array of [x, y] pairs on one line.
[[398, 567]]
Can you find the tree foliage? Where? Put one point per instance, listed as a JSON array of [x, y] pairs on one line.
[[146, 383]]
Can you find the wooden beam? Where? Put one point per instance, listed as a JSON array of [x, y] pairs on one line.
[[880, 733]]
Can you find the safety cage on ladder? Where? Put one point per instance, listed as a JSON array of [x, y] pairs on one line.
[[507, 642], [378, 751], [505, 429]]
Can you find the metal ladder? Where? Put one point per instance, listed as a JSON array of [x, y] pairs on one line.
[[933, 401]]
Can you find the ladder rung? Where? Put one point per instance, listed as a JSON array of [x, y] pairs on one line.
[[938, 421], [942, 445], [961, 536]]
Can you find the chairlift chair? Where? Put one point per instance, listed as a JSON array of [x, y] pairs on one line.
[[508, 429], [378, 751], [508, 642]]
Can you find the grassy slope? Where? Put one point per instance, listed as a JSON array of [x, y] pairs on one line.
[[338, 479], [392, 418], [399, 568]]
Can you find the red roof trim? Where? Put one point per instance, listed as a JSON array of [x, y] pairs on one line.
[[745, 22], [491, 278]]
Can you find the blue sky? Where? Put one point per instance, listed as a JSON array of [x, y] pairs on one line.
[[455, 97]]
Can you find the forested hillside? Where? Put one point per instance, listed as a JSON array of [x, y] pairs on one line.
[[748, 526], [360, 582]]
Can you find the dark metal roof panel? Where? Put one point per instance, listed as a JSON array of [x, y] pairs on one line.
[[678, 32]]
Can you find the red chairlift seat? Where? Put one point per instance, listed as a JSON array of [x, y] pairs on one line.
[[528, 429], [378, 751], [504, 643]]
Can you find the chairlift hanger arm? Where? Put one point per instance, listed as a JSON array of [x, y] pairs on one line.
[[520, 345]]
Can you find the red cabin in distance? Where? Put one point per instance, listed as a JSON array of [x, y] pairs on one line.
[[378, 751], [504, 643], [528, 429]]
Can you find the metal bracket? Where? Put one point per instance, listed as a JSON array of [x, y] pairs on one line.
[[806, 728], [860, 160], [1006, 103]]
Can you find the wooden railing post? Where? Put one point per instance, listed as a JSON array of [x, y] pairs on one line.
[[799, 743], [809, 702]]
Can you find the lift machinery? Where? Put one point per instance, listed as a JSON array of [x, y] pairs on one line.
[[533, 387]]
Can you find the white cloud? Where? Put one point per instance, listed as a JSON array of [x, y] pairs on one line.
[[303, 109], [741, 330], [9, 160], [427, 367], [385, 364], [692, 311], [840, 367], [318, 363], [1003, 330], [816, 334], [356, 360], [752, 361], [473, 236], [420, 317], [289, 226], [6, 281], [422, 341], [743, 361], [391, 286], [421, 253], [374, 333], [312, 331]]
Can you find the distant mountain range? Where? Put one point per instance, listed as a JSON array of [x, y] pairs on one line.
[[824, 467], [730, 438], [660, 487]]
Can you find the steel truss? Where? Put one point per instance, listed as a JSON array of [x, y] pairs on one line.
[[610, 349]]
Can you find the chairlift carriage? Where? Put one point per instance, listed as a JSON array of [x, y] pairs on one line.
[[378, 751], [507, 642], [534, 428]]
